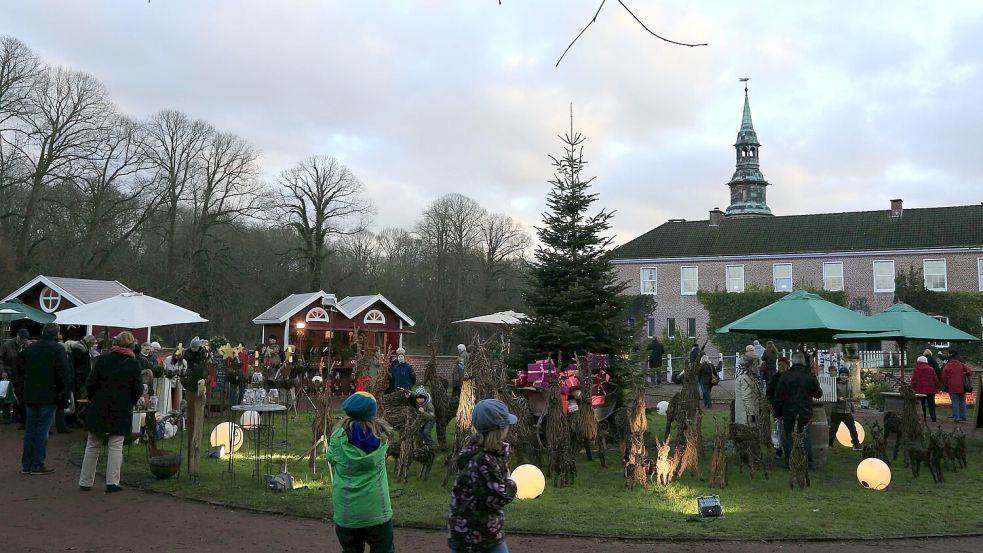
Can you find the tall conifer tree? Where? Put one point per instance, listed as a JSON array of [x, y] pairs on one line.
[[573, 301]]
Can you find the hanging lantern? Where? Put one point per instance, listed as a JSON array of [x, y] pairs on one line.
[[843, 434], [227, 435], [250, 420], [529, 482], [662, 407], [874, 474]]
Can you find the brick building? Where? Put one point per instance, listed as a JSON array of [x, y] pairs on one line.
[[858, 252]]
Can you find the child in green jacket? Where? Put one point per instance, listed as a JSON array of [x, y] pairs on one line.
[[360, 492]]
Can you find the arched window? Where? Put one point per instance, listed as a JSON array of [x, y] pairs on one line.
[[374, 317], [49, 300], [317, 314]]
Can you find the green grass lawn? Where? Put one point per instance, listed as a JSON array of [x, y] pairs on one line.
[[599, 504]]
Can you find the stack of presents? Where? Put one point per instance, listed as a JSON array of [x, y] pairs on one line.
[[542, 373]]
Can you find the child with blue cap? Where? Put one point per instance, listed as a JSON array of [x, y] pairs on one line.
[[360, 490], [483, 487]]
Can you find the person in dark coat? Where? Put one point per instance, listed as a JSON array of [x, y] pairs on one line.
[[12, 370], [781, 366], [46, 375], [933, 362], [114, 386], [656, 351], [707, 383], [793, 398], [401, 374]]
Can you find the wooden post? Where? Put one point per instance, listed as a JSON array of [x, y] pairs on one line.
[[196, 419]]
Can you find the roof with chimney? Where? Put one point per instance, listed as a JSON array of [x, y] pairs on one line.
[[857, 231]]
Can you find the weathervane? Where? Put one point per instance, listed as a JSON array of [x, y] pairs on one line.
[[744, 80]]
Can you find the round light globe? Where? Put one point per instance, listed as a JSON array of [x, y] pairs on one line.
[[662, 407], [250, 419], [221, 435], [529, 482], [843, 434], [874, 474]]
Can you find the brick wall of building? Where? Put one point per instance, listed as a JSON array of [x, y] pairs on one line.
[[962, 272]]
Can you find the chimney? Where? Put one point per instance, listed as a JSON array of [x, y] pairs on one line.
[[896, 207], [716, 216]]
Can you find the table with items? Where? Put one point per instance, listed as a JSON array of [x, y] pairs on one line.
[[257, 415]]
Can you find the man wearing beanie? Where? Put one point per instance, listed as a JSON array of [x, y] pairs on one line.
[[46, 374], [360, 490]]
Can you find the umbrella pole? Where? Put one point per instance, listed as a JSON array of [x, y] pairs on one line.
[[901, 346]]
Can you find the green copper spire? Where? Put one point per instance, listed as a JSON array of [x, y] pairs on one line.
[[747, 186]]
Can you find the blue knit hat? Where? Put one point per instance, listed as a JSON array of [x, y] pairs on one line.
[[360, 406], [489, 414]]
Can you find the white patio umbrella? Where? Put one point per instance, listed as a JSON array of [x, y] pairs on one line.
[[506, 318], [128, 310]]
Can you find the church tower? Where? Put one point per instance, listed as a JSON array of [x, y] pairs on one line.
[[747, 186]]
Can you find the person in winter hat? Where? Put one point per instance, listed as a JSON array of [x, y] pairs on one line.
[[842, 410], [426, 411], [362, 511], [483, 486], [401, 374], [925, 381]]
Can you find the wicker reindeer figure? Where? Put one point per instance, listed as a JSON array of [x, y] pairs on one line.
[[798, 463], [665, 463], [412, 448], [718, 462], [876, 446], [437, 387], [747, 444]]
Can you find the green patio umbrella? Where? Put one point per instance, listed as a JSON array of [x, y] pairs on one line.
[[803, 317], [15, 310], [911, 325]]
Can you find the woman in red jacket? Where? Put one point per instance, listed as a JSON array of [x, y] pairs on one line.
[[924, 381], [954, 375]]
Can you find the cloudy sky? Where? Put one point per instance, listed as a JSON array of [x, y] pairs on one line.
[[855, 102]]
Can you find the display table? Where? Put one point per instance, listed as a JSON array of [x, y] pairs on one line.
[[261, 436], [894, 402]]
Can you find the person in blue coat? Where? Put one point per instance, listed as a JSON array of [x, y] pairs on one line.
[[401, 374]]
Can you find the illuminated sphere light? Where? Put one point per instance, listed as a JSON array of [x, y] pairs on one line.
[[529, 482], [874, 474], [250, 419], [843, 434], [220, 436], [317, 380], [662, 407]]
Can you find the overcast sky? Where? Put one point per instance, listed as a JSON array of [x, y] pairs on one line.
[[854, 102]]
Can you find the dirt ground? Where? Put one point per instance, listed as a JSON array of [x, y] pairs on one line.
[[49, 513]]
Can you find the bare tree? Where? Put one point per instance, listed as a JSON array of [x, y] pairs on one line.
[[173, 146], [65, 115], [19, 68], [320, 197], [112, 195], [503, 241]]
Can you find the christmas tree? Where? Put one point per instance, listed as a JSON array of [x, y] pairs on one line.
[[573, 300]]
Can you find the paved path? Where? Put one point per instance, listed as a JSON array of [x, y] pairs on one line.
[[49, 514]]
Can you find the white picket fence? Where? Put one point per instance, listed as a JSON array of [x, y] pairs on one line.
[[868, 360]]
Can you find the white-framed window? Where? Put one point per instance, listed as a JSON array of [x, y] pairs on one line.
[[945, 320], [833, 276], [650, 327], [735, 278], [49, 300], [884, 276], [690, 327], [374, 317], [689, 280], [317, 314], [934, 271], [781, 274], [670, 327], [649, 280], [979, 270]]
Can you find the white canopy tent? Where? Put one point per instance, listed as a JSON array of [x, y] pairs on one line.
[[128, 310], [505, 318]]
